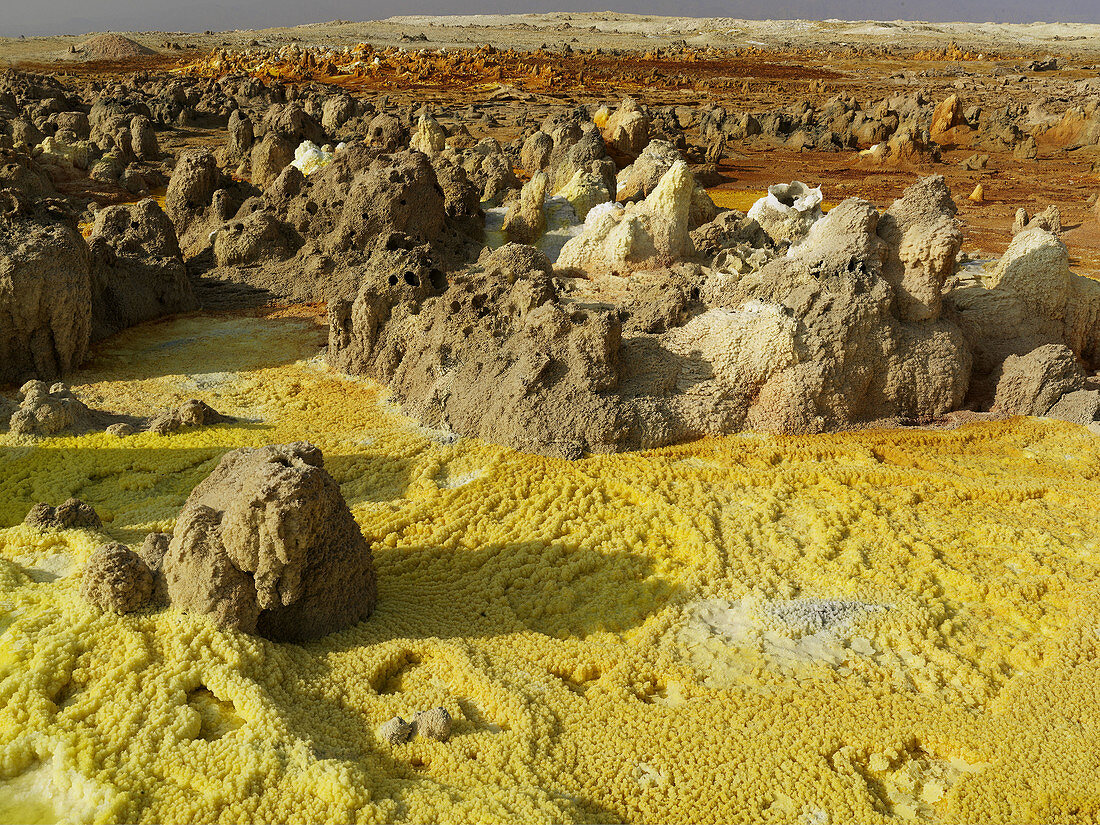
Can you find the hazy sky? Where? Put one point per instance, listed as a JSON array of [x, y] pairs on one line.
[[80, 16]]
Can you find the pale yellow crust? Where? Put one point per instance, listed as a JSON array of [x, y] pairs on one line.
[[849, 627]]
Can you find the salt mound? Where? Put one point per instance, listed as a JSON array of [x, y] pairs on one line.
[[112, 46], [788, 211]]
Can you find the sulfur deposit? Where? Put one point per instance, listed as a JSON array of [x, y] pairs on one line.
[[885, 623]]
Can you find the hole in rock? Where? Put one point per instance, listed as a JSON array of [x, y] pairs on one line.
[[391, 679], [219, 716], [412, 279], [578, 679]]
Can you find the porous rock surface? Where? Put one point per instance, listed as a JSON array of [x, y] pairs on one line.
[[116, 579], [137, 268], [45, 299], [70, 514], [307, 236], [267, 545], [858, 323]]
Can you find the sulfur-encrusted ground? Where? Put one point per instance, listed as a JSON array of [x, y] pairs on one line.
[[866, 626]]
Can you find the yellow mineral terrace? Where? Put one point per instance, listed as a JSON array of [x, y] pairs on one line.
[[863, 626]]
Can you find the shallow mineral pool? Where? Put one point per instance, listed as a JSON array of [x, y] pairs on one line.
[[867, 626], [743, 199]]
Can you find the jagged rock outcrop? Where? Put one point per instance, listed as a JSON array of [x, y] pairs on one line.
[[645, 235], [291, 122], [306, 237], [1032, 383], [269, 157], [267, 545], [52, 410], [638, 180], [137, 268], [584, 191], [526, 218], [45, 299], [488, 168], [567, 148], [627, 130], [429, 136], [1031, 299], [241, 138], [536, 355], [924, 240], [189, 200], [254, 238], [387, 133], [812, 341]]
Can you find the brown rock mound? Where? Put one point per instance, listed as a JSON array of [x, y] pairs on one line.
[[45, 299], [116, 579], [71, 514], [266, 544], [111, 46], [846, 329], [137, 269]]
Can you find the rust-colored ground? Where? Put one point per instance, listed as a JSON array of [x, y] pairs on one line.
[[742, 79]]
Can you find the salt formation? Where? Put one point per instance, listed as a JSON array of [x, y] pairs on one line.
[[584, 191], [267, 545], [642, 236], [788, 211], [562, 148], [429, 137], [859, 322], [309, 157]]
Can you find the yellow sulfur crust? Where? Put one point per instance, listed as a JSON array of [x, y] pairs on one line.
[[628, 637]]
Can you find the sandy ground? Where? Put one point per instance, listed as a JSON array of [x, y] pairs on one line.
[[619, 31]]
